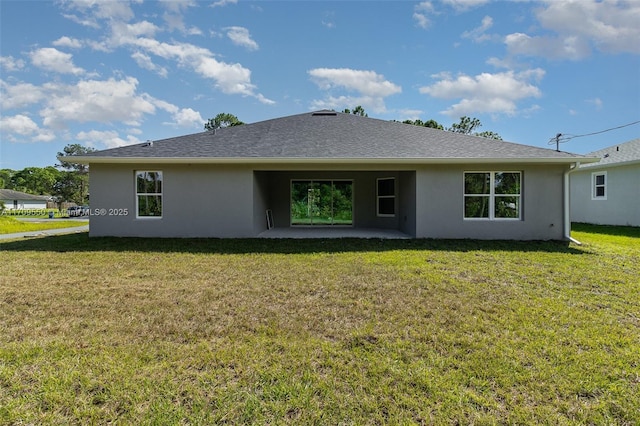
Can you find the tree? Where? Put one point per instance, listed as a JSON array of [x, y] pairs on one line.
[[490, 135], [356, 111], [36, 180], [73, 185], [71, 150], [5, 178], [429, 123], [467, 126], [223, 119]]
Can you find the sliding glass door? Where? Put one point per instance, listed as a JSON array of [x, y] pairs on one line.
[[322, 202]]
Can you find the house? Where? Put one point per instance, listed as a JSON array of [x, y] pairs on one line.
[[325, 170], [608, 192], [15, 200]]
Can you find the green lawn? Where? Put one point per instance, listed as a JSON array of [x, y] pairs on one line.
[[10, 225], [140, 331]]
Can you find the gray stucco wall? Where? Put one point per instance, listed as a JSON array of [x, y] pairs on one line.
[[622, 206], [230, 201], [198, 201], [407, 202], [439, 201]]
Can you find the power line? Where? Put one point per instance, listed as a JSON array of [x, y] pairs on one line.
[[563, 138]]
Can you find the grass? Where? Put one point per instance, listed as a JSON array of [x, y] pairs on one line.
[[199, 331], [10, 225]]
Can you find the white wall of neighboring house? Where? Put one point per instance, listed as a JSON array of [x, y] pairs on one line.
[[620, 204], [24, 204]]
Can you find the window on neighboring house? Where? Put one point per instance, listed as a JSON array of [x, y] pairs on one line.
[[149, 194], [492, 195], [599, 186], [386, 197]]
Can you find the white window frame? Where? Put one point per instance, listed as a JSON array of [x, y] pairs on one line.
[[380, 197], [154, 194], [595, 185], [492, 196]]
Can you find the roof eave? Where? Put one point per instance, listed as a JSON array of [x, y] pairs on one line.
[[610, 165], [324, 160]]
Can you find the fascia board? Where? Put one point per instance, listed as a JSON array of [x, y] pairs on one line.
[[269, 160], [597, 166]]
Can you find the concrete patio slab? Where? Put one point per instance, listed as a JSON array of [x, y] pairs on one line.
[[337, 232]]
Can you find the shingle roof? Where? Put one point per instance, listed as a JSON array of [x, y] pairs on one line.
[[327, 136], [617, 155], [10, 194]]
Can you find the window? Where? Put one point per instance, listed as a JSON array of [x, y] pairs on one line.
[[386, 196], [492, 195], [149, 194], [599, 186]]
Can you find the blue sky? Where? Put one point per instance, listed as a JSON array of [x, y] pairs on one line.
[[106, 74]]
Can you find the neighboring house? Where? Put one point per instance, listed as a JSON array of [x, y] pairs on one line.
[[328, 169], [15, 200], [608, 192]]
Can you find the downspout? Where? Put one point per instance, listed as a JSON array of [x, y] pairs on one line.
[[567, 215]]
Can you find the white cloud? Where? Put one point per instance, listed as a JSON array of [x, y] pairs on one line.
[[421, 14], [464, 5], [230, 78], [240, 36], [96, 101], [366, 82], [485, 93], [578, 26], [107, 10], [222, 3], [233, 79], [177, 6], [144, 61], [328, 24], [68, 42], [329, 19], [506, 63], [182, 117], [105, 139], [479, 34], [51, 59], [371, 87], [10, 64], [86, 22], [19, 95], [409, 114], [88, 13], [187, 117], [596, 102], [20, 124], [24, 126], [569, 47], [611, 26], [174, 15], [123, 34], [340, 102]]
